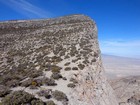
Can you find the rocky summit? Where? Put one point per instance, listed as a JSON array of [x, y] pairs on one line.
[[52, 62]]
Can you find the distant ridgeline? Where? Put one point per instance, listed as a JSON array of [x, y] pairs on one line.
[[52, 62]]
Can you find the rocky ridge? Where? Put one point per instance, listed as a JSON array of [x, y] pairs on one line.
[[52, 62]]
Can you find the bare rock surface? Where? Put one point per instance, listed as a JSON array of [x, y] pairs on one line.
[[127, 90], [58, 59]]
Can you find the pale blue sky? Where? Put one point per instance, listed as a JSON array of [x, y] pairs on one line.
[[118, 21]]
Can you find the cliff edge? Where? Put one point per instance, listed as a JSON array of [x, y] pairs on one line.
[[52, 62]]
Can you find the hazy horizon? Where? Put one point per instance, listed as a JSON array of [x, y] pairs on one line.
[[116, 66]]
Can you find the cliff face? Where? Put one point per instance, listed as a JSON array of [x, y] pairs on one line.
[[56, 57]]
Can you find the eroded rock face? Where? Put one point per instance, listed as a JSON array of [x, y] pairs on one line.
[[36, 51], [127, 90]]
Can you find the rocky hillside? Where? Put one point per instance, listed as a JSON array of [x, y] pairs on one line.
[[127, 90], [52, 62]]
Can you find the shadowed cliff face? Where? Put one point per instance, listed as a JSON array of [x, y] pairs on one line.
[[52, 61]]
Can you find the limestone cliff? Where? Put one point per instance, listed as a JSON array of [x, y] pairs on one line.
[[56, 61]]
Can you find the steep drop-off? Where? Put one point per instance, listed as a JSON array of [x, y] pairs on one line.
[[52, 61]]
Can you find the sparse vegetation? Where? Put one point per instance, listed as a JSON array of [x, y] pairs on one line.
[[64, 78], [59, 96], [66, 57], [66, 64], [62, 52], [33, 54], [45, 93], [67, 68], [71, 85], [50, 102], [96, 54], [93, 60], [81, 66], [18, 98], [56, 75], [33, 83], [86, 61], [55, 59], [73, 51], [35, 73], [4, 90], [55, 68], [50, 82], [75, 68], [37, 102], [73, 80]]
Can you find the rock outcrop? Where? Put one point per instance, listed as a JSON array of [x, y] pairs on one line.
[[57, 60], [127, 90]]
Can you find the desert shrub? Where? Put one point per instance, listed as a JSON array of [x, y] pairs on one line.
[[59, 96], [56, 59], [55, 68], [83, 42], [71, 85], [37, 102], [17, 98], [64, 78], [75, 60], [81, 66], [32, 82], [35, 73], [66, 64], [22, 66], [50, 82], [66, 57], [86, 61], [84, 53], [4, 90], [26, 83], [56, 76], [73, 51], [62, 52], [67, 68], [96, 54], [87, 49], [47, 66], [33, 85], [73, 80], [57, 49], [12, 83], [93, 60], [50, 102], [9, 59], [39, 81], [10, 79], [75, 68], [45, 93]]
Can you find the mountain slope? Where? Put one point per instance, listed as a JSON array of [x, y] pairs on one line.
[[55, 60]]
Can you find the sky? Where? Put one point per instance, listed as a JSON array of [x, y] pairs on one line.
[[118, 21]]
